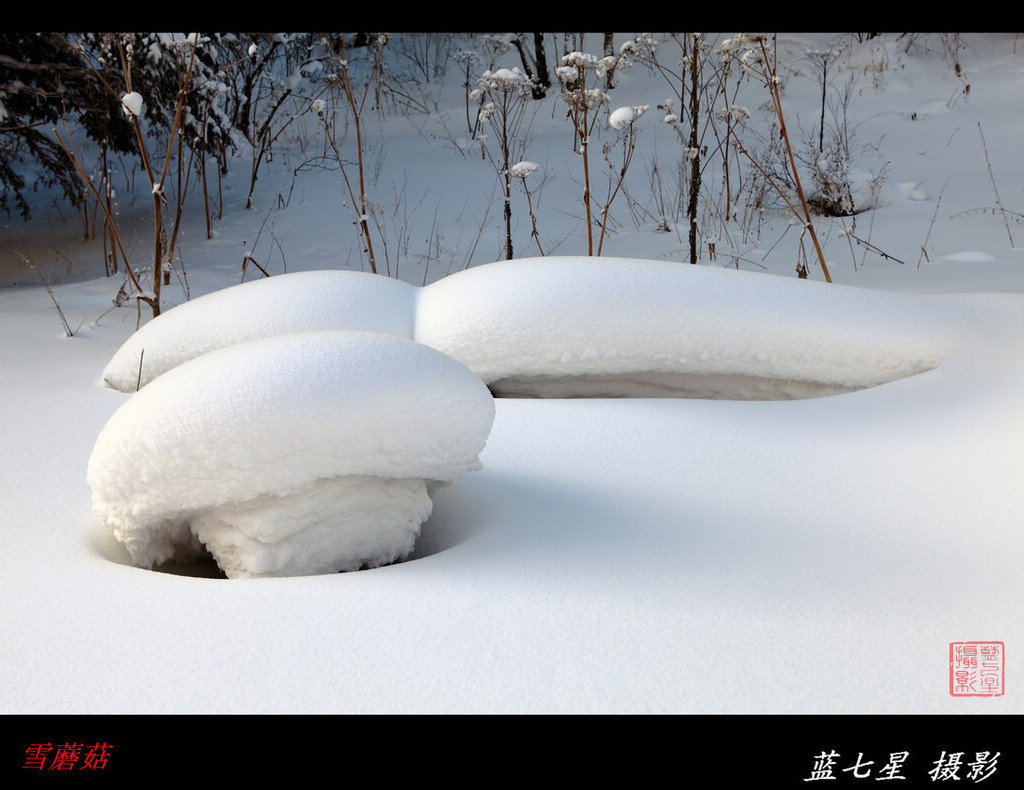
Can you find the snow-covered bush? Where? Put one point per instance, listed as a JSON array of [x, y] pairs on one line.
[[299, 454], [169, 80], [841, 188]]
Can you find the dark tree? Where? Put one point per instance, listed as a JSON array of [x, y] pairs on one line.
[[43, 80], [534, 62]]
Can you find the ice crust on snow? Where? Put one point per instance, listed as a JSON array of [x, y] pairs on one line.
[[301, 453], [565, 326], [300, 301]]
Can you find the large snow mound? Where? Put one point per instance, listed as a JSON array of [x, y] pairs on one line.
[[300, 453], [600, 326], [570, 326], [301, 301]]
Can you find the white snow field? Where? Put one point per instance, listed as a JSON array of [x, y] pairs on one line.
[[242, 450], [828, 497]]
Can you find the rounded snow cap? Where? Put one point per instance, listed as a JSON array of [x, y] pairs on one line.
[[296, 454], [297, 302]]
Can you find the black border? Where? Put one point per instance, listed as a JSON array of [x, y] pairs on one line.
[[758, 750]]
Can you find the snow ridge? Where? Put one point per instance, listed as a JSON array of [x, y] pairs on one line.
[[575, 317]]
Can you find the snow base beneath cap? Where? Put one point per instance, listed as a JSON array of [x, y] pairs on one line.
[[341, 524], [334, 525]]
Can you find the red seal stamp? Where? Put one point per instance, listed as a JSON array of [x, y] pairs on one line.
[[976, 669]]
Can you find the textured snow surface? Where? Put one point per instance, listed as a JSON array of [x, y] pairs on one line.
[[295, 302], [338, 524], [276, 417], [548, 319], [252, 451], [569, 326], [641, 555]]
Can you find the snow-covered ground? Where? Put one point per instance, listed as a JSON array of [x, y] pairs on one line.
[[735, 554]]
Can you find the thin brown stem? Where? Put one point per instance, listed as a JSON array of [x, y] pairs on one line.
[[772, 80]]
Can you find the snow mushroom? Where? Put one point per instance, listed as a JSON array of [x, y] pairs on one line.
[[298, 454], [296, 302]]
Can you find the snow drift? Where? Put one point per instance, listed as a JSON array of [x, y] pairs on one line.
[[303, 453], [563, 327], [286, 452], [579, 327]]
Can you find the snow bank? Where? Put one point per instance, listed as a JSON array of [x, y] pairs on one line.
[[295, 302], [302, 453], [605, 326], [570, 327]]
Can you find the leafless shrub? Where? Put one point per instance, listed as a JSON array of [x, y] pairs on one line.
[[502, 96], [354, 88], [578, 75], [759, 55]]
